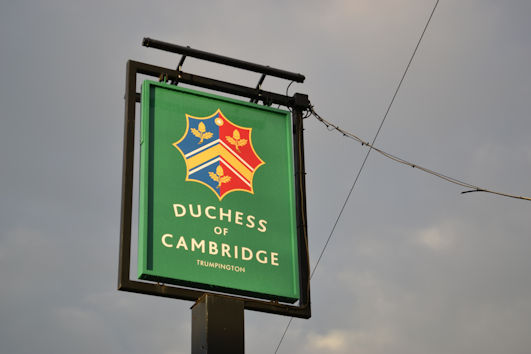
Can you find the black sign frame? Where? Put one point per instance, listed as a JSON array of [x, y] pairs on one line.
[[297, 103]]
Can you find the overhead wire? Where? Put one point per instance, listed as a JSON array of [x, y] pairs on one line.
[[366, 157], [377, 133], [471, 187]]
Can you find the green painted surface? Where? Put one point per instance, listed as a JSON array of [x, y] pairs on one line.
[[244, 242]]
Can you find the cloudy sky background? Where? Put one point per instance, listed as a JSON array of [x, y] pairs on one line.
[[412, 267]]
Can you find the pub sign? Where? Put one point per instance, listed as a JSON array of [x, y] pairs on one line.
[[217, 206]]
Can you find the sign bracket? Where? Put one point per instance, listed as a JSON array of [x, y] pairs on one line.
[[220, 59], [179, 68], [258, 87]]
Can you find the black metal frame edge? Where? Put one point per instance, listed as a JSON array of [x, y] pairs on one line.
[[217, 289], [298, 103], [220, 59]]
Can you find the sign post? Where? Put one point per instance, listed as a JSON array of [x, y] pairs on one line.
[[222, 201], [217, 325]]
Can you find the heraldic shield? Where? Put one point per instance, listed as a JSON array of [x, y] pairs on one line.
[[219, 154]]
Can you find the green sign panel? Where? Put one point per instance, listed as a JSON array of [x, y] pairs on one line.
[[217, 200]]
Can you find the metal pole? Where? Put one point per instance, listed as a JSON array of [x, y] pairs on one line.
[[218, 325], [220, 59]]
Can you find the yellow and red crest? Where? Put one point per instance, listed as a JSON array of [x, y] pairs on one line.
[[219, 154]]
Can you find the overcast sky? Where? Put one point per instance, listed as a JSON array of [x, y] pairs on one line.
[[413, 266]]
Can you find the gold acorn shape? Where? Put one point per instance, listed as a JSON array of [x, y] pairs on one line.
[[201, 132], [235, 140], [219, 176]]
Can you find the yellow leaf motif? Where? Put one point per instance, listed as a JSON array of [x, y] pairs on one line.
[[219, 177], [201, 132], [231, 140], [214, 176], [235, 140], [196, 132]]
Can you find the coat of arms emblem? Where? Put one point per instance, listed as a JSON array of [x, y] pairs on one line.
[[219, 154]]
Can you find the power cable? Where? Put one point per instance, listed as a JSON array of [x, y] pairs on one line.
[[472, 188], [366, 157]]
